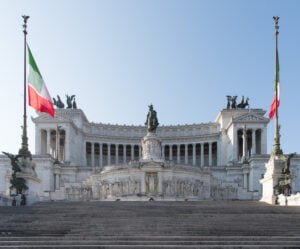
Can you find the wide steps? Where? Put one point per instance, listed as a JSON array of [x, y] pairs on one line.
[[150, 225]]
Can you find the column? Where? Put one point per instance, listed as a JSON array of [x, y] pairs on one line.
[[117, 153], [210, 153], [171, 152], [263, 140], [84, 153], [48, 141], [163, 151], [108, 155], [194, 154], [186, 159], [253, 142], [101, 154], [124, 153], [39, 142], [235, 144], [244, 144], [132, 152], [202, 155], [67, 145], [219, 153], [178, 153], [92, 154]]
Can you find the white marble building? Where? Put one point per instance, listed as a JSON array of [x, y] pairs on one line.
[[224, 159]]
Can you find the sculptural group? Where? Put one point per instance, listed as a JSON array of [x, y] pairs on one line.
[[232, 102], [70, 101]]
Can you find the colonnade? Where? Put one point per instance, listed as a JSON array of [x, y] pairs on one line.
[[197, 154], [249, 142], [52, 142], [102, 154]]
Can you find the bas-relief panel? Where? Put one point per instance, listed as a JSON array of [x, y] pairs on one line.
[[151, 183]]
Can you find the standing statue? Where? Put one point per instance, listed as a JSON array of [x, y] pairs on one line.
[[152, 121], [58, 102]]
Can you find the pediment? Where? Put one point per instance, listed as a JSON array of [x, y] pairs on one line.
[[250, 117], [45, 118]]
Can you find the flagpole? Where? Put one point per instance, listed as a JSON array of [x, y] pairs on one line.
[[276, 149], [24, 149]]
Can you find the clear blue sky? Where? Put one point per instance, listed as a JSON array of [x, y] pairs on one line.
[[184, 57]]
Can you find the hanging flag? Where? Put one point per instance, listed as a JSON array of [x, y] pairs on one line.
[[38, 95], [275, 101]]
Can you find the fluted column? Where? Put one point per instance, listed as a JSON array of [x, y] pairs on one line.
[[171, 152], [132, 152], [163, 151], [117, 153], [210, 153], [101, 155], [67, 146], [84, 154], [48, 141], [194, 154], [235, 144], [186, 158], [202, 155], [244, 144], [92, 154]]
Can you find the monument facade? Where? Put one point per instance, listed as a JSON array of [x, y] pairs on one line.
[[80, 160]]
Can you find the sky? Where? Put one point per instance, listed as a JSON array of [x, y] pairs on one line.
[[182, 56]]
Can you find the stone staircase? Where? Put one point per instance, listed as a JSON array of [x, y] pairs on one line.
[[206, 224]]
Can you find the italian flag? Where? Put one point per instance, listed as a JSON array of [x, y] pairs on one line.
[[38, 95], [275, 101]]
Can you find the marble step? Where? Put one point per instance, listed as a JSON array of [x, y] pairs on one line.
[[151, 242]]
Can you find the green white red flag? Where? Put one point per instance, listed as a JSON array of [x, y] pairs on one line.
[[38, 95], [275, 101]]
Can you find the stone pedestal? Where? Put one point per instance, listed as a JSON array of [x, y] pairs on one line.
[[34, 186], [271, 178], [151, 145]]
